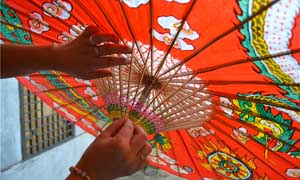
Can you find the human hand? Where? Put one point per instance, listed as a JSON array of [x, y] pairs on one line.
[[120, 150], [89, 54]]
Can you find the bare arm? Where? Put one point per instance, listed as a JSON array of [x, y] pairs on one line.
[[17, 60], [85, 57]]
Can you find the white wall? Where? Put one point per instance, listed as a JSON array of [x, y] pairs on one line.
[[50, 165], [10, 133]]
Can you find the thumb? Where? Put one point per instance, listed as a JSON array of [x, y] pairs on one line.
[[113, 128]]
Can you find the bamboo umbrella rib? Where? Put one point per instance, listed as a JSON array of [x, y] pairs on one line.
[[248, 99], [216, 117], [189, 154], [42, 36], [90, 15], [219, 140], [76, 101], [174, 39], [256, 115], [199, 145], [250, 137], [253, 154], [18, 10], [217, 38], [228, 82], [151, 35], [175, 157], [252, 99], [110, 23], [233, 63], [61, 89], [64, 8], [131, 32], [36, 4]]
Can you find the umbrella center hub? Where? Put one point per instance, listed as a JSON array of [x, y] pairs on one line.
[[151, 81]]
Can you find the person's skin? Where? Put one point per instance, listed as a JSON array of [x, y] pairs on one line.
[[122, 148], [85, 57]]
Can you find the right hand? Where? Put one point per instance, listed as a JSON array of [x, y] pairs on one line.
[[120, 150]]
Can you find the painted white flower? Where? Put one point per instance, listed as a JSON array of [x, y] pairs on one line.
[[293, 173], [55, 105], [58, 8], [88, 124], [76, 29], [179, 1], [37, 24], [241, 134], [90, 92], [87, 82], [226, 102], [167, 39], [68, 115], [65, 37], [172, 24], [37, 85], [135, 3], [178, 169]]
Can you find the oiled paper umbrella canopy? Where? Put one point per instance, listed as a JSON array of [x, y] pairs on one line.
[[215, 84]]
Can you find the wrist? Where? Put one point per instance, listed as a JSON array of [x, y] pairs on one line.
[[77, 173], [56, 57], [73, 176]]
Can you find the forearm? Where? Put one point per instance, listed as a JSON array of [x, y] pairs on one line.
[[17, 60]]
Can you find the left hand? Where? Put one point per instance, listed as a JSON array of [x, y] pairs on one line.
[[88, 55]]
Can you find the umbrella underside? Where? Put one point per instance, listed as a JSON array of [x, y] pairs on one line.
[[225, 73]]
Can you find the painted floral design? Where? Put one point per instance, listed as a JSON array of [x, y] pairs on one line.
[[91, 93], [179, 1], [241, 134], [65, 37], [76, 29], [37, 85], [295, 173], [69, 116], [87, 82], [60, 9], [137, 3], [173, 24], [37, 24]]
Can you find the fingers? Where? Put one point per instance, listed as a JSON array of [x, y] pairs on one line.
[[141, 159], [98, 38], [96, 74], [109, 49], [89, 31], [138, 140], [145, 151], [105, 62], [113, 128], [126, 131]]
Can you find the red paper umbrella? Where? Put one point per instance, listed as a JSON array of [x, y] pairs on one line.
[[225, 72]]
